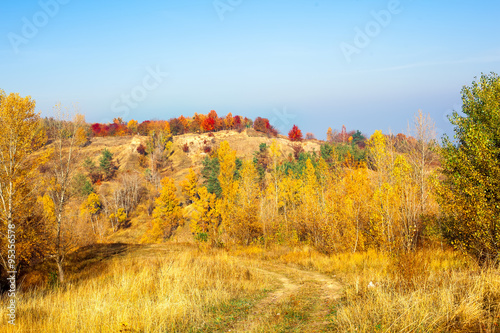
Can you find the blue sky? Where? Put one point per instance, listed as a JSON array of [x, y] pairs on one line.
[[365, 64]]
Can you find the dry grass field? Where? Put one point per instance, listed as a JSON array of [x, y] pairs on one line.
[[183, 288]]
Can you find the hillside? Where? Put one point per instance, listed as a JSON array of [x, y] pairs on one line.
[[126, 157]]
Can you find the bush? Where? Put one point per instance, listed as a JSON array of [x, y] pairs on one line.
[[141, 149]]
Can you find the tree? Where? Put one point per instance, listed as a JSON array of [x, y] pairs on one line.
[[132, 126], [190, 185], [263, 125], [92, 208], [19, 139], [329, 135], [421, 156], [205, 221], [81, 136], [117, 218], [209, 122], [378, 155], [82, 186], [310, 136], [210, 173], [246, 227], [295, 134], [61, 167], [176, 126], [226, 203], [92, 170], [167, 213], [106, 164], [159, 148], [471, 164], [229, 121]]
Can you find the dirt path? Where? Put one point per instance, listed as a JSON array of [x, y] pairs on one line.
[[302, 303]]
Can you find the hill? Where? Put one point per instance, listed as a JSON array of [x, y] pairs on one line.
[[127, 160]]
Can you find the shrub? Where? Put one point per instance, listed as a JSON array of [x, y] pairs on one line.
[[141, 149]]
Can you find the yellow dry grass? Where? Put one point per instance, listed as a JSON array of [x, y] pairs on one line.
[[155, 291], [427, 291], [160, 288]]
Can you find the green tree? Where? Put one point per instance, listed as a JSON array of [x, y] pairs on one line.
[[210, 173], [106, 164], [82, 186], [471, 164]]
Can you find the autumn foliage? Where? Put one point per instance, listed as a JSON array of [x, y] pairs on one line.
[[354, 194], [295, 134]]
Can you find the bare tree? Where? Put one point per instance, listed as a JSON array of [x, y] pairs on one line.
[[422, 155], [60, 170], [125, 198]]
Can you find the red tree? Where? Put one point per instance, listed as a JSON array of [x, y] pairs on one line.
[[96, 129], [295, 134], [208, 124]]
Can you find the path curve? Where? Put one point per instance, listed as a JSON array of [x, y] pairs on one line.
[[293, 282]]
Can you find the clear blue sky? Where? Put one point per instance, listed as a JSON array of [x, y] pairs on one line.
[[284, 60]]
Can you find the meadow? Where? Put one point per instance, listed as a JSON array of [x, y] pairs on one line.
[[185, 288]]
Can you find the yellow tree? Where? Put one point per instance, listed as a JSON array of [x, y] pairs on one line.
[[289, 203], [19, 139], [132, 126], [226, 203], [384, 215], [167, 214], [358, 193], [205, 221], [92, 208], [408, 191], [378, 155], [270, 211], [189, 185], [246, 227], [117, 218], [311, 210], [329, 135], [347, 206]]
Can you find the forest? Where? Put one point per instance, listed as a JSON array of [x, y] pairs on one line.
[[404, 227]]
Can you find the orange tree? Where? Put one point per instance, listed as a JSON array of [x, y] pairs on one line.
[[20, 223]]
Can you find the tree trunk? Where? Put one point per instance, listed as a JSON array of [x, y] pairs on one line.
[[60, 269]]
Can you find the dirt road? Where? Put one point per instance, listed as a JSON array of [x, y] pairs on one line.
[[304, 302]]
